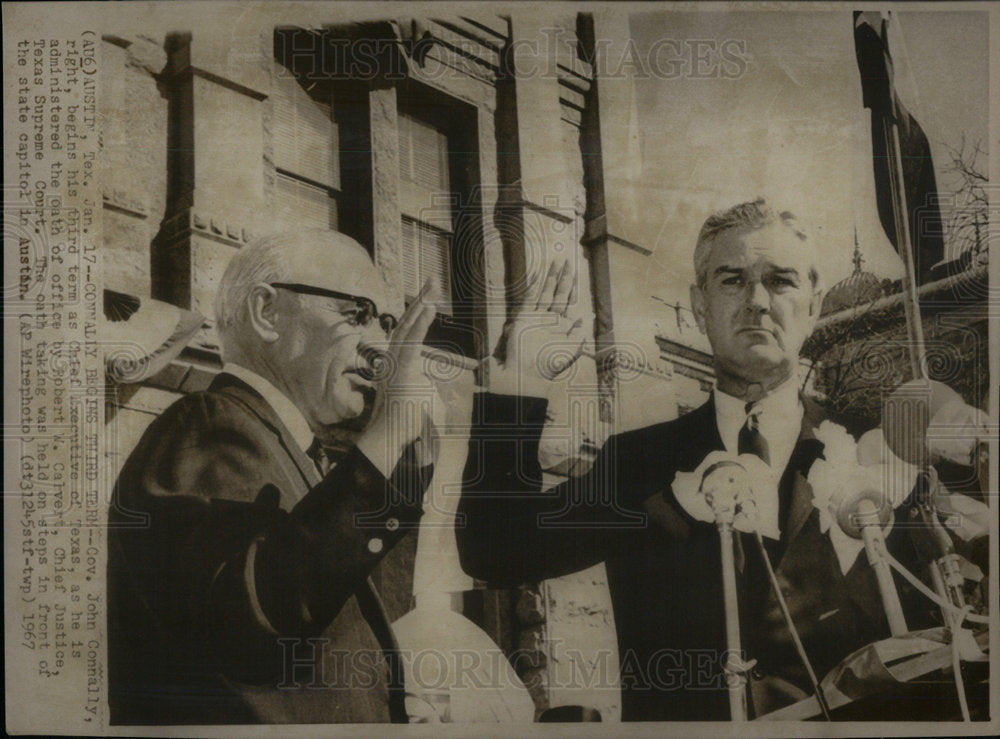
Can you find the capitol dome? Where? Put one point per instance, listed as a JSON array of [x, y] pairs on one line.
[[857, 289]]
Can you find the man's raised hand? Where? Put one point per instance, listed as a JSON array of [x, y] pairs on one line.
[[406, 400], [542, 341]]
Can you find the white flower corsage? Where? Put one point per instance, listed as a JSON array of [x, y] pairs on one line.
[[848, 468], [737, 488]]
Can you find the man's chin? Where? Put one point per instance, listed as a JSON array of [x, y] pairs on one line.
[[757, 362], [765, 353]]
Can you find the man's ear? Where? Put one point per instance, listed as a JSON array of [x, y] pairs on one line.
[[698, 306], [263, 310]]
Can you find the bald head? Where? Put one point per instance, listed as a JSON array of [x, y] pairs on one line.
[[318, 258]]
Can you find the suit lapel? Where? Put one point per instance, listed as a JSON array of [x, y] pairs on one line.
[[703, 435], [367, 595], [860, 585], [710, 425], [251, 399], [689, 438], [807, 450]]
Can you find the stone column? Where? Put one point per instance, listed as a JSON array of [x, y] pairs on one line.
[[631, 373], [216, 166], [545, 199], [134, 158]]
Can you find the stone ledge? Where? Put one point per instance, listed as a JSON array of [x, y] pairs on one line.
[[120, 200]]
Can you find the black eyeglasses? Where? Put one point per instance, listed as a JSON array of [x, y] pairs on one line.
[[365, 310]]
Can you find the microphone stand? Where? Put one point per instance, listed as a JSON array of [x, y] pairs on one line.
[[945, 564], [735, 668], [868, 521]]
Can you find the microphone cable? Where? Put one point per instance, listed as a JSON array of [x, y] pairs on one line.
[[927, 592], [956, 663], [820, 697], [957, 616]]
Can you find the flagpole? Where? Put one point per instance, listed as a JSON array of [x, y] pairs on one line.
[[943, 568], [911, 303]]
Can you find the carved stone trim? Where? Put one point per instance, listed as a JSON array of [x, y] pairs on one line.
[[489, 32], [205, 224], [121, 201], [596, 232], [227, 83], [460, 44], [141, 52], [545, 208]]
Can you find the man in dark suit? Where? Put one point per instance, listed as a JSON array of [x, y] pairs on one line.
[[757, 297], [238, 565]]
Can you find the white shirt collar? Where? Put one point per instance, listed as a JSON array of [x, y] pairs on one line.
[[287, 412], [780, 420]]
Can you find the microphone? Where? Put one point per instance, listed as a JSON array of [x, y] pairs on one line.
[[723, 485], [727, 489], [861, 514], [862, 509]]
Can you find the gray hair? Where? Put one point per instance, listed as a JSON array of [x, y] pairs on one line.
[[751, 215], [262, 260]]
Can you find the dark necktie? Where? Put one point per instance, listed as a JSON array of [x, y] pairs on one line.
[[323, 457], [751, 440]]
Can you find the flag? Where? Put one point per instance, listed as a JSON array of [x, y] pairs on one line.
[[919, 184]]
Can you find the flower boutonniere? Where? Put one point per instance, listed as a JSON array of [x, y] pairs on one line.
[[740, 486], [848, 467]]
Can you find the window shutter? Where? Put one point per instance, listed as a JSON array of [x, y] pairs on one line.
[[423, 155], [426, 253], [303, 205], [305, 137]]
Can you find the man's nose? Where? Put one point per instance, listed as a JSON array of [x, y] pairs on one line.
[[374, 359], [758, 299], [372, 334], [371, 344]]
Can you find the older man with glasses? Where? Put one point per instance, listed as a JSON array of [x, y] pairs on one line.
[[238, 564]]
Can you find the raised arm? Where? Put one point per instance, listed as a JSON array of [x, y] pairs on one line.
[[216, 567]]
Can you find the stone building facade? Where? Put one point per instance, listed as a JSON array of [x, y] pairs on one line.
[[473, 148]]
